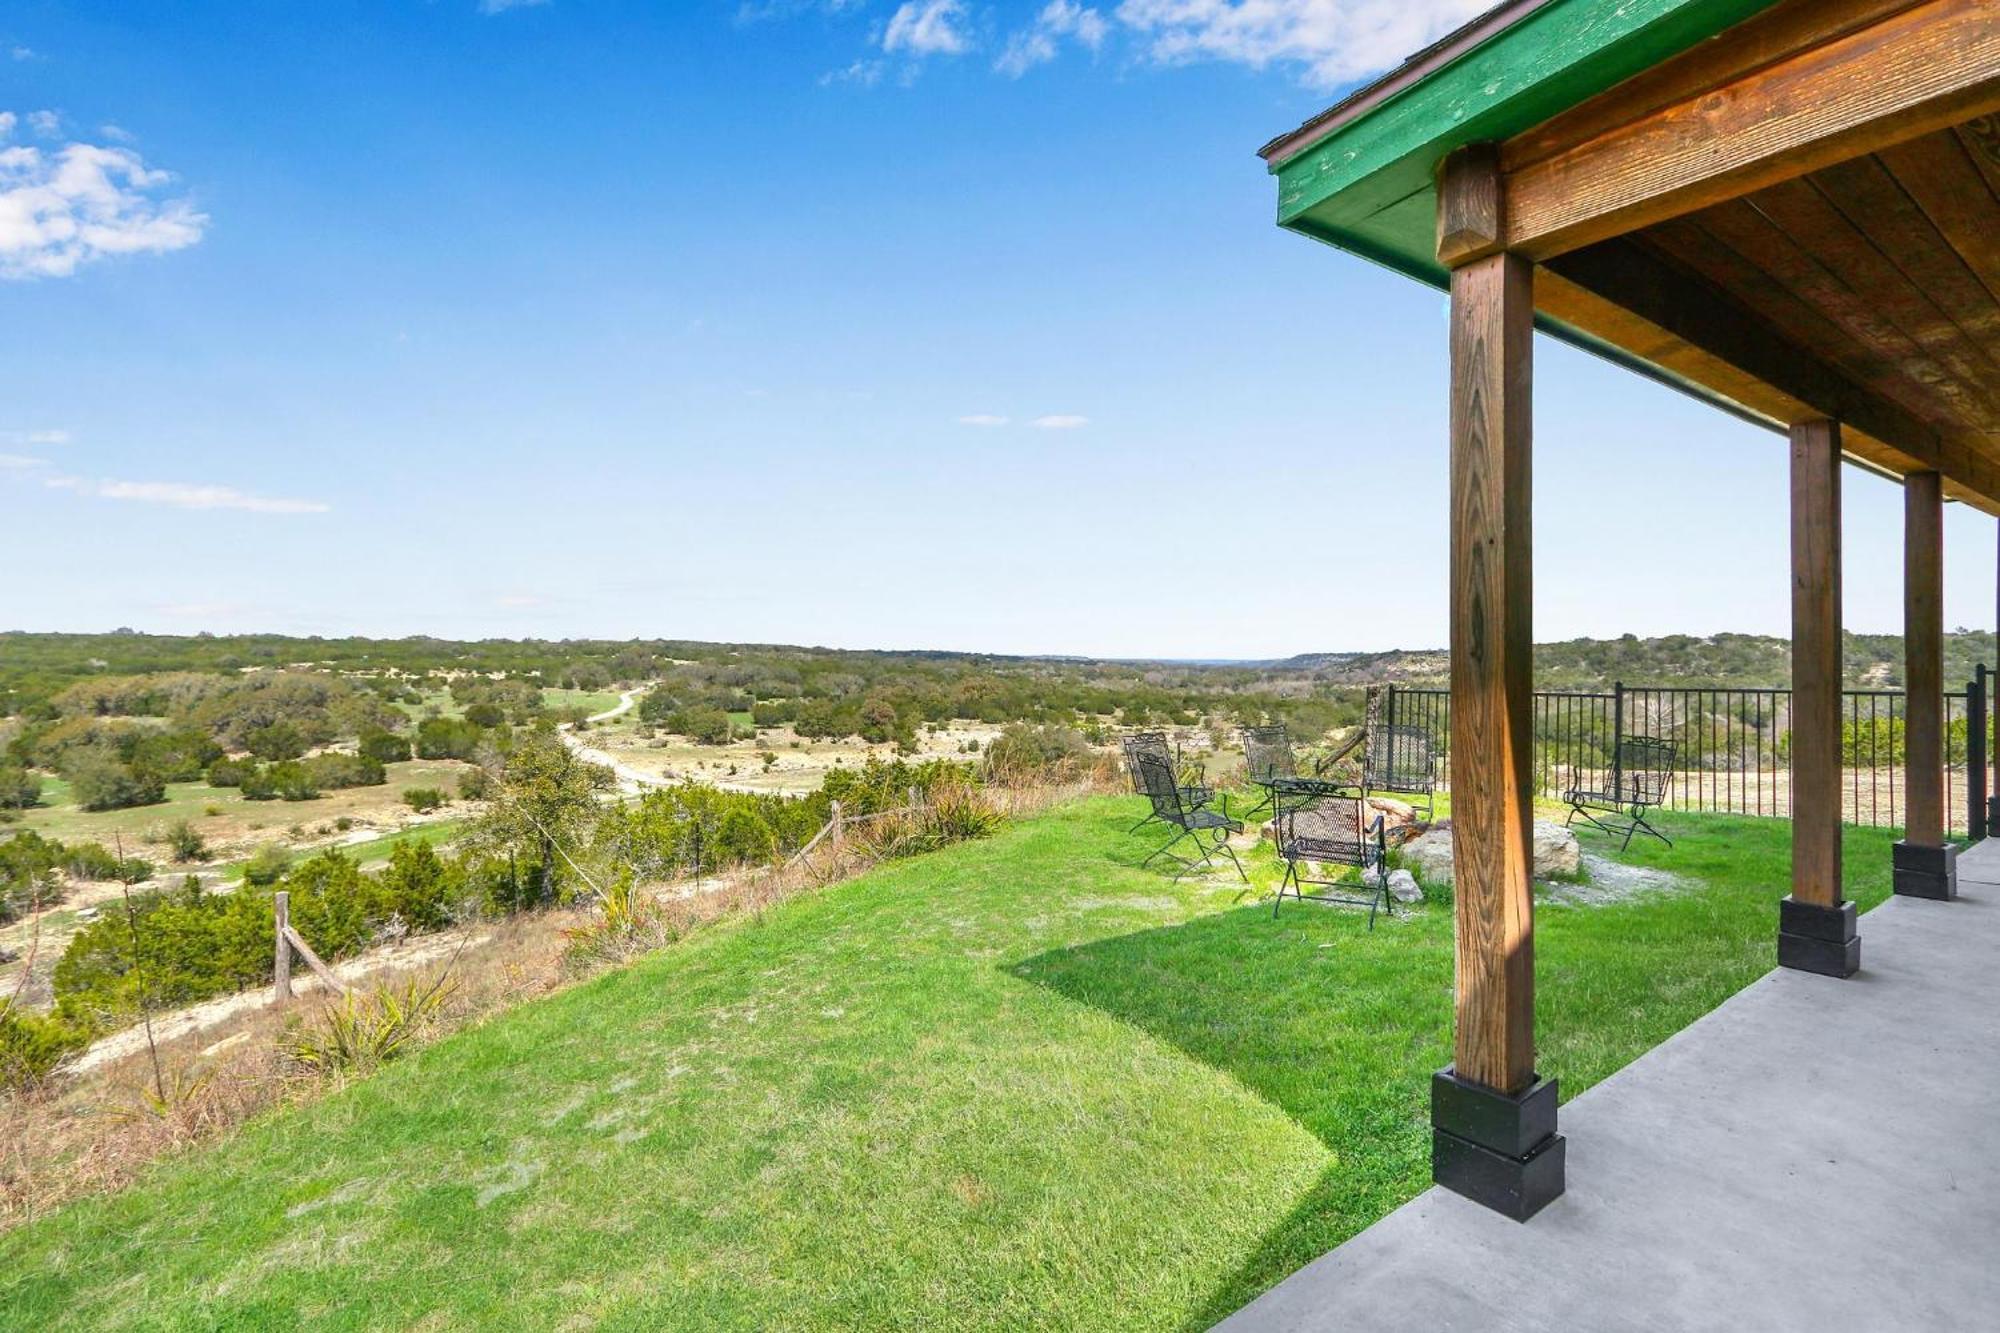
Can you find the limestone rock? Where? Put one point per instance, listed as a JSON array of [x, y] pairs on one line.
[[1403, 887], [1557, 855]]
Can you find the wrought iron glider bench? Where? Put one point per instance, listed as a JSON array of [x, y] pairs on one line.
[[1330, 830], [1207, 830], [1642, 774]]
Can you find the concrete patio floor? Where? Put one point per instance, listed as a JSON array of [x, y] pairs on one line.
[[1814, 1154]]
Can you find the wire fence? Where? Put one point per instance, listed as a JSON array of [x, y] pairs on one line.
[[1734, 746]]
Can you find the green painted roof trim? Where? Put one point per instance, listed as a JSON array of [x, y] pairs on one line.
[[1367, 187], [1549, 61]]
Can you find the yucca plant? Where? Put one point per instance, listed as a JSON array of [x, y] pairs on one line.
[[363, 1029]]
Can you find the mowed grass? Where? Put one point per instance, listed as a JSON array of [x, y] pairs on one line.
[[1021, 1083]]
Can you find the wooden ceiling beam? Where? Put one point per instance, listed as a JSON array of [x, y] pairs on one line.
[[1634, 296], [1868, 77]]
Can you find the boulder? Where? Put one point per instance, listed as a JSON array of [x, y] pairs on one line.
[[1557, 855], [1403, 887]]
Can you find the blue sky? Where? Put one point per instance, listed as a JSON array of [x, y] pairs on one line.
[[856, 322]]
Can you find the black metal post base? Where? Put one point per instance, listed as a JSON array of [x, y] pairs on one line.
[[1926, 872], [1812, 938], [1497, 1150], [1993, 816]]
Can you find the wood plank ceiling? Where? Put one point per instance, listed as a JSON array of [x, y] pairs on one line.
[[1885, 267]]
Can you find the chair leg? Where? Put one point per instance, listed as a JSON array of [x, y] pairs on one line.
[[1279, 901], [1223, 843], [1170, 844]]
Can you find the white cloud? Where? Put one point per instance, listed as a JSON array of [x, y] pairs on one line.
[[7, 122], [502, 6], [1059, 421], [1037, 45], [117, 133], [867, 73], [1334, 40], [21, 461], [982, 419], [64, 208], [35, 436], [21, 53], [518, 601], [48, 124], [183, 495], [927, 28]]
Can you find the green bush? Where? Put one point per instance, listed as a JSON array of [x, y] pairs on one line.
[[99, 780], [289, 780], [231, 772], [475, 784], [275, 741], [267, 865], [333, 771], [32, 1045], [19, 789], [186, 843], [385, 747], [447, 738], [423, 800], [703, 726], [1023, 751]]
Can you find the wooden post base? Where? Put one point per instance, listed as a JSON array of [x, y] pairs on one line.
[[1926, 872], [1812, 938], [1499, 1151]]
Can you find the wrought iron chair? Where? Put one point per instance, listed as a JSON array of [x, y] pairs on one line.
[[1208, 830], [1195, 792], [1402, 760], [1270, 763], [1639, 780], [1328, 830]]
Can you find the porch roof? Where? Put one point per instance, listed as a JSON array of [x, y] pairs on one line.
[[1790, 208]]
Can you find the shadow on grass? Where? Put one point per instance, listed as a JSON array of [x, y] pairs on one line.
[[1337, 1026]]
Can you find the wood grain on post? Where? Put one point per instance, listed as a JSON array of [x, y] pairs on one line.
[[836, 823], [1491, 668], [1923, 659], [281, 962], [1816, 662]]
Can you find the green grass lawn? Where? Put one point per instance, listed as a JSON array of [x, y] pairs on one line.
[[1019, 1083], [592, 702]]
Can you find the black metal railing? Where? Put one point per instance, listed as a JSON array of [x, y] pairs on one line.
[[1734, 746]]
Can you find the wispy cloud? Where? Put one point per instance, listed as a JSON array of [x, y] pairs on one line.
[[48, 124], [19, 461], [518, 601], [67, 207], [20, 53], [184, 495], [927, 28], [35, 436], [982, 419], [116, 133], [1038, 44], [1060, 421], [1334, 41], [867, 73], [502, 6]]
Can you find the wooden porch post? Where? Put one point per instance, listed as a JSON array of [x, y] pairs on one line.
[[1493, 1121], [1925, 864], [1815, 927]]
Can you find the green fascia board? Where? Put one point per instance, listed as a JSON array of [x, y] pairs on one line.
[[1556, 57]]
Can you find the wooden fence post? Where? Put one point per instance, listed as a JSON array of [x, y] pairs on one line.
[[281, 965], [836, 823]]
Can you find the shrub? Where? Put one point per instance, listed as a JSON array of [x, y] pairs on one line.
[[267, 865], [385, 747], [475, 784], [332, 771], [1022, 752], [485, 715], [420, 887], [186, 843], [291, 781], [231, 772], [363, 1029], [275, 741], [703, 726], [423, 800], [19, 789], [447, 738], [32, 1045], [100, 781]]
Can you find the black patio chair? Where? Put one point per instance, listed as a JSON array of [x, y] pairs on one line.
[[1188, 776], [1402, 760], [1638, 781], [1270, 763], [1329, 830], [1208, 830]]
